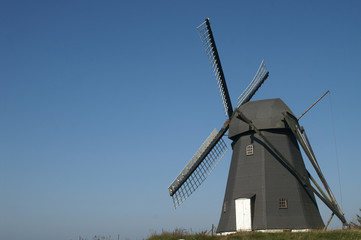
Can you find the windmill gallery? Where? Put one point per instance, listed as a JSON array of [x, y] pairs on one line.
[[268, 187]]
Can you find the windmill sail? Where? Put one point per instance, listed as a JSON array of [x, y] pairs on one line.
[[205, 32], [255, 84], [199, 167]]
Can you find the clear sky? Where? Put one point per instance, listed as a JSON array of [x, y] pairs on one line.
[[102, 104]]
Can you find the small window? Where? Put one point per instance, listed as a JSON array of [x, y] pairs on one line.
[[224, 207], [282, 203], [249, 150]]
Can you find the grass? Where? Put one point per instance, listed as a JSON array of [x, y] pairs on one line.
[[315, 235]]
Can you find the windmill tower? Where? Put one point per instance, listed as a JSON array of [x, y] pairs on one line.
[[268, 187]]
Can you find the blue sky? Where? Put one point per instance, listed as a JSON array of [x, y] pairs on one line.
[[102, 103]]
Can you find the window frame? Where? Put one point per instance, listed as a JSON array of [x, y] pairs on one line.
[[282, 203]]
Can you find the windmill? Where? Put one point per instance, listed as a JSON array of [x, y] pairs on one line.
[[268, 186]]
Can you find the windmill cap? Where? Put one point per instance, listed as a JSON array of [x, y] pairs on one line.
[[265, 114]]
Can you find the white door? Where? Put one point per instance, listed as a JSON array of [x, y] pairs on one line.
[[243, 214]]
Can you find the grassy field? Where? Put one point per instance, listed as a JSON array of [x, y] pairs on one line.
[[317, 235]]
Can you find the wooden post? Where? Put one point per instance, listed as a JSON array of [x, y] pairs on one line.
[[328, 222]]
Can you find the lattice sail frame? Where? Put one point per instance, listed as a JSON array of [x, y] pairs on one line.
[[257, 81], [197, 170], [206, 36]]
